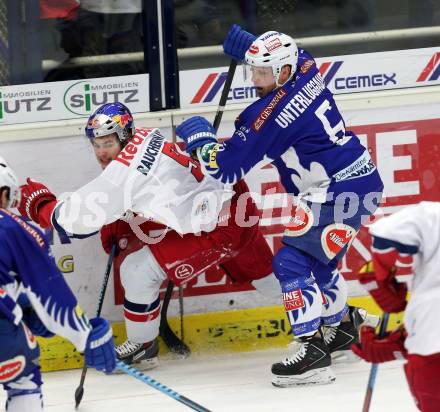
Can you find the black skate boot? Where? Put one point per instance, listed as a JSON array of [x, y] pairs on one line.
[[340, 338], [309, 365], [141, 355]]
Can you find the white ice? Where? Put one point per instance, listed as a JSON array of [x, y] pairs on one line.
[[228, 383]]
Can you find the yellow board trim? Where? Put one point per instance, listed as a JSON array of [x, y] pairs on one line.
[[229, 331]]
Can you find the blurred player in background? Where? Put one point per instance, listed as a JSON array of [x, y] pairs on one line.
[[296, 126], [36, 301], [236, 244], [414, 230]]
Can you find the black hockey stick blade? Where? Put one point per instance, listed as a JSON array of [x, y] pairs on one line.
[[79, 391], [173, 342]]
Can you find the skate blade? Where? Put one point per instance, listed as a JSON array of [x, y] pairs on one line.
[[344, 356], [143, 365], [321, 376]]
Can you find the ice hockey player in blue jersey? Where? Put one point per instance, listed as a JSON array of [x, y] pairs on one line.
[[296, 126], [36, 301]]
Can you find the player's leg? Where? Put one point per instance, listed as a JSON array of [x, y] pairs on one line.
[[19, 368], [141, 277], [422, 374], [310, 363]]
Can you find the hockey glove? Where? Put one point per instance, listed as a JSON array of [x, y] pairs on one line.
[[377, 350], [196, 132], [237, 42], [34, 195], [100, 349], [388, 293], [113, 233]]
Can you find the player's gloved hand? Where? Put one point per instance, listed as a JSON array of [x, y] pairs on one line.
[[389, 294], [237, 42], [377, 350], [33, 196], [100, 349], [196, 132], [114, 232]]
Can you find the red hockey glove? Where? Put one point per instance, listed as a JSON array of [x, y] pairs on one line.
[[34, 196], [388, 293], [115, 232], [377, 350]]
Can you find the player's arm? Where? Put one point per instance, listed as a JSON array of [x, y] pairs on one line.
[[231, 160], [79, 215], [394, 235], [53, 301]]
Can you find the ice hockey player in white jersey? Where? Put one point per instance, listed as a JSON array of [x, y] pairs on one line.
[[143, 262], [149, 177], [35, 300], [414, 230]]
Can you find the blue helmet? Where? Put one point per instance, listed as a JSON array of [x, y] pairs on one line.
[[110, 118]]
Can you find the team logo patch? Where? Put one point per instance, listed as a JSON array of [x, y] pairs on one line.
[[11, 369], [254, 49], [273, 44], [123, 243], [335, 237], [300, 222], [293, 300], [30, 338], [306, 66], [184, 272]]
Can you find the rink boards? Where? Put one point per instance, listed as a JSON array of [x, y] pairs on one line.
[[400, 127]]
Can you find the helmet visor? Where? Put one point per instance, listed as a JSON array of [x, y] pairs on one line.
[[258, 76]]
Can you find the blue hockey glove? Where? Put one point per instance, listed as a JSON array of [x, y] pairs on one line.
[[237, 42], [196, 132], [100, 349]]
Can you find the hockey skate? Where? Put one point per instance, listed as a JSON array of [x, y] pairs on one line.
[[310, 364], [340, 338], [141, 355]]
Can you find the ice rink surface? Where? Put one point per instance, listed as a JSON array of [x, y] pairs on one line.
[[228, 383]]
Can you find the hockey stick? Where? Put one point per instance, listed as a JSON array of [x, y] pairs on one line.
[[374, 366], [79, 392], [175, 344], [129, 370], [225, 92]]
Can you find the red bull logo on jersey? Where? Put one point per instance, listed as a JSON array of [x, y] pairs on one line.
[[432, 70], [127, 155], [335, 237], [11, 369], [293, 300]]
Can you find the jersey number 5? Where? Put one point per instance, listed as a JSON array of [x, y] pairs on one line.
[[183, 159], [332, 131]]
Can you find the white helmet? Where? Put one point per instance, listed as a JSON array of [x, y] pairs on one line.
[[9, 180], [273, 49]]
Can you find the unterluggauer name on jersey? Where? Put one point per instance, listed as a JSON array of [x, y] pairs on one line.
[[301, 101]]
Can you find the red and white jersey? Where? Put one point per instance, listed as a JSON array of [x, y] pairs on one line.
[[152, 178], [419, 225]]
